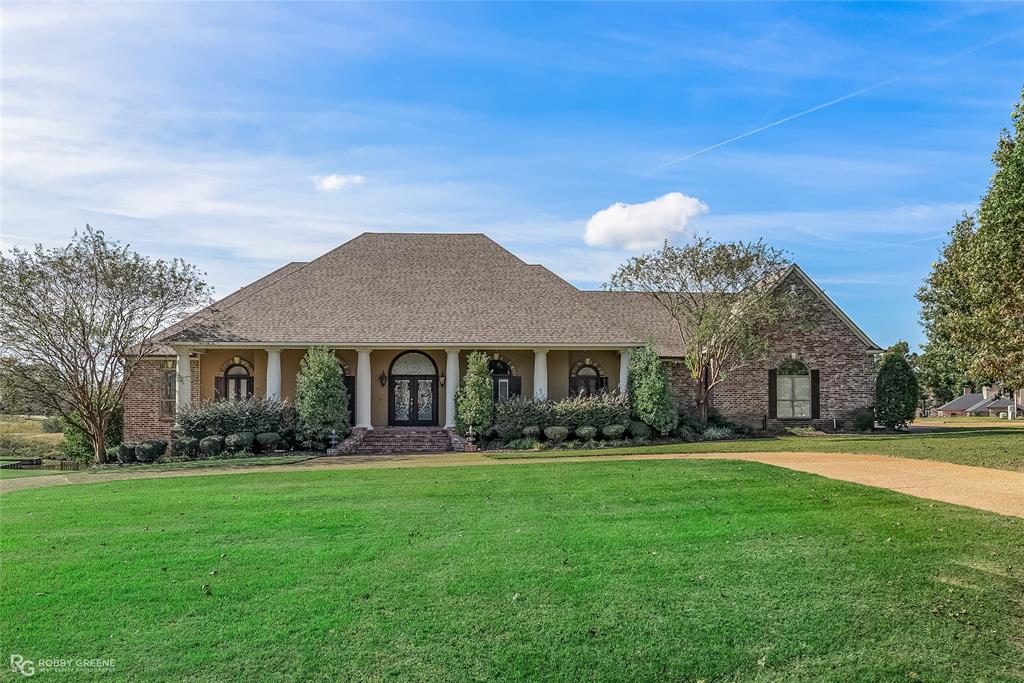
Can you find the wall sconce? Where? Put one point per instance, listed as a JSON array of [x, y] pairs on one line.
[[383, 379], [440, 380]]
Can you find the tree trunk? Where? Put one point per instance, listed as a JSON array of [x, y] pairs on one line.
[[703, 397], [99, 439]]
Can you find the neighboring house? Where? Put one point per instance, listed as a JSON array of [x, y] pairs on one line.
[[989, 402], [402, 311]]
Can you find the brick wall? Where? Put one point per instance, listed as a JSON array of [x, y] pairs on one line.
[[845, 368], [142, 401]]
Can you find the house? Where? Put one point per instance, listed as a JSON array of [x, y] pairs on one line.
[[403, 311], [989, 402]]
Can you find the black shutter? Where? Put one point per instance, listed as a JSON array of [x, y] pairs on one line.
[[815, 395], [515, 386], [249, 387], [772, 395], [350, 386], [218, 388]]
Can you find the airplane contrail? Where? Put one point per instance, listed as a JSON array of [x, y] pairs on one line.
[[837, 100]]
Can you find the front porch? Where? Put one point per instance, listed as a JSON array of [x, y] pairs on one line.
[[398, 387]]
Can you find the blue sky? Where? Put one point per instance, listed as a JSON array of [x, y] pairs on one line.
[[243, 136]]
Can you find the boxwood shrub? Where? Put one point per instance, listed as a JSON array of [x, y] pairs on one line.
[[222, 418], [185, 446], [586, 432], [239, 441], [556, 433], [210, 446]]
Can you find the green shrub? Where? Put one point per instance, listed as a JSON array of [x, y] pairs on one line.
[[321, 399], [77, 445], [649, 394], [864, 420], [126, 452], [586, 432], [691, 424], [474, 400], [239, 441], [640, 430], [210, 446], [523, 444], [531, 432], [268, 441], [556, 433], [513, 416], [185, 446], [599, 410], [613, 431], [151, 450], [229, 417], [12, 445], [53, 424], [715, 433], [896, 391]]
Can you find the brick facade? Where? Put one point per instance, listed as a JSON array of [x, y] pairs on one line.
[[142, 400], [845, 367]]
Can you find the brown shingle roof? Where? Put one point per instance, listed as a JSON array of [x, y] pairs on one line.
[[402, 288], [642, 317]]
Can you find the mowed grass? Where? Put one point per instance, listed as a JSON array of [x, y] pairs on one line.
[[668, 570], [1000, 448]]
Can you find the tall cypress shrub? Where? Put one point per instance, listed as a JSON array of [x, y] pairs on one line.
[[896, 391], [650, 399], [474, 401], [321, 399]]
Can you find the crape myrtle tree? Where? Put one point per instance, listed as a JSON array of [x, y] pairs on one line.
[[77, 321], [972, 304], [723, 300]]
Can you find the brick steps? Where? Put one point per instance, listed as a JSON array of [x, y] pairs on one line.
[[385, 440]]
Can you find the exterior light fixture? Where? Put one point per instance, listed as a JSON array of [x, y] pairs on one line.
[[383, 379], [440, 380]]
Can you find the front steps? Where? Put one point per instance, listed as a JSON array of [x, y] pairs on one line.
[[385, 440]]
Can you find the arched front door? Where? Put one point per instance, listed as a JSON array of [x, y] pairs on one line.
[[412, 390]]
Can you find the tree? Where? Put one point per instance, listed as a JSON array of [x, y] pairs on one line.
[[76, 323], [973, 300], [321, 399], [939, 371], [650, 399], [474, 400], [896, 391], [722, 298]]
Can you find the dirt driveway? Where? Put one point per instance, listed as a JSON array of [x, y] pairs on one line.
[[977, 487]]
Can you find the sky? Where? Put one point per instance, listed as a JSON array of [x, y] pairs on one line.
[[243, 136]]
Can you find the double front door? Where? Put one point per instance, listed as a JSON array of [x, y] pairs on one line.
[[412, 400]]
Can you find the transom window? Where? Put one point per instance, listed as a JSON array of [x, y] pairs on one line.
[[237, 383], [413, 363], [793, 390]]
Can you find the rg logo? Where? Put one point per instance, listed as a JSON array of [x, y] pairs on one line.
[[20, 665]]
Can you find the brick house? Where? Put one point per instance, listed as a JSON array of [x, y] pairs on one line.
[[403, 311]]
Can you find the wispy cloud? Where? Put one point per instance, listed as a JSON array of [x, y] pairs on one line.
[[335, 182]]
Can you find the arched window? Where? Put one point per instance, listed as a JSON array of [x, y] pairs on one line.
[[586, 379], [237, 383], [793, 390], [503, 379]]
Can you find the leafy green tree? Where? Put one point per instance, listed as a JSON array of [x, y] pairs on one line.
[[474, 400], [77, 445], [973, 300], [940, 372], [321, 399], [723, 300], [650, 398], [896, 391], [77, 322]]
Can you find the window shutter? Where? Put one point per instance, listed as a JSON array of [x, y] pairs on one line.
[[815, 395], [515, 386], [772, 395], [218, 388], [249, 387]]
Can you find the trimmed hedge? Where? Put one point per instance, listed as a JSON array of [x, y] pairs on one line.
[[211, 445], [513, 416], [613, 431], [640, 430], [240, 441], [221, 418], [556, 433], [586, 432], [186, 446], [150, 451], [268, 441]]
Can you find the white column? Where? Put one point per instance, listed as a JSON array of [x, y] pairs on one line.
[[184, 378], [273, 373], [451, 385], [540, 374], [363, 385], [623, 370]]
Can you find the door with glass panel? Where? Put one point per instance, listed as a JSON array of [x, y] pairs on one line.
[[412, 391]]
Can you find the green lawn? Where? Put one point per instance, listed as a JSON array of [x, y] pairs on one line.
[[14, 474], [1001, 448], [667, 570]]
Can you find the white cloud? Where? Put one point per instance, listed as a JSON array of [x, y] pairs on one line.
[[644, 225], [335, 182]]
